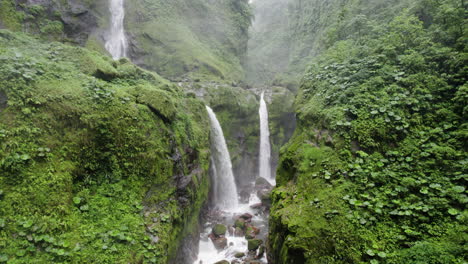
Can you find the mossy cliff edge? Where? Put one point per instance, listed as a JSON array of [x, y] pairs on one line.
[[376, 170], [100, 161], [179, 39]]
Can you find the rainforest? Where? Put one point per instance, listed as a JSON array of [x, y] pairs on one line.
[[234, 131]]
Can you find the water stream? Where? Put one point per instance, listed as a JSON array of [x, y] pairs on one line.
[[117, 43], [265, 148], [225, 190], [245, 219]]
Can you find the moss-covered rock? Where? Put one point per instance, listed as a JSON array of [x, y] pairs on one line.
[[222, 262], [219, 230], [254, 244], [240, 223]]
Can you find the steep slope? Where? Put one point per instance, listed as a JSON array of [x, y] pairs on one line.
[[100, 161], [269, 42], [178, 39], [376, 170]]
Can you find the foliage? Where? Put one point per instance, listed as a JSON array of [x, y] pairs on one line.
[[88, 170], [377, 168]]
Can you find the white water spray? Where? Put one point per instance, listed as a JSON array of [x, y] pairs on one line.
[[265, 149], [224, 184], [116, 43]]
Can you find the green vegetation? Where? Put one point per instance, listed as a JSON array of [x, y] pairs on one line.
[[376, 171], [191, 39], [100, 161]]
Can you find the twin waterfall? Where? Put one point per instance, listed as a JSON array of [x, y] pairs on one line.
[[225, 190], [224, 185], [227, 246], [116, 43], [264, 169]]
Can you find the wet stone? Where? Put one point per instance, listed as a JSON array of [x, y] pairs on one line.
[[239, 255], [254, 244], [219, 230], [222, 262]]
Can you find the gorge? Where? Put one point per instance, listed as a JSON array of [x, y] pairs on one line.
[[233, 131]]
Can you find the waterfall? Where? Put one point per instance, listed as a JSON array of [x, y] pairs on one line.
[[116, 42], [265, 149], [223, 182]]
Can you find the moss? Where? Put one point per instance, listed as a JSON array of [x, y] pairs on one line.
[[254, 244], [86, 169], [177, 40], [219, 230], [10, 18], [360, 180]]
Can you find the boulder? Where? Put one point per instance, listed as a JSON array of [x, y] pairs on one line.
[[254, 244], [220, 243], [251, 232], [256, 206], [239, 232], [239, 254], [247, 217], [219, 230], [262, 183], [222, 262], [240, 223], [264, 196]]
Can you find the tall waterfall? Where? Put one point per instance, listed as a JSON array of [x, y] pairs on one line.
[[116, 42], [224, 184], [265, 149]]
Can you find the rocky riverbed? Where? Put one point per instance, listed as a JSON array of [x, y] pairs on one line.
[[239, 235]]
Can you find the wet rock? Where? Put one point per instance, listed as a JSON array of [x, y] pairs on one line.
[[247, 217], [256, 206], [231, 231], [222, 262], [254, 244], [220, 243], [251, 232], [240, 223], [239, 232], [262, 183], [239, 255], [264, 196], [261, 252], [219, 230], [244, 196]]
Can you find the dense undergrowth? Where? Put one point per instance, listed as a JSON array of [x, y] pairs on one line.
[[376, 171], [100, 161]]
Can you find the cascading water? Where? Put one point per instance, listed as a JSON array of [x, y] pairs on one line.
[[216, 247], [224, 184], [116, 43], [265, 148]]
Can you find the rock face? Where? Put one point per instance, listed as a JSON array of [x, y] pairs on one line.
[[71, 20], [177, 39], [237, 110]]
